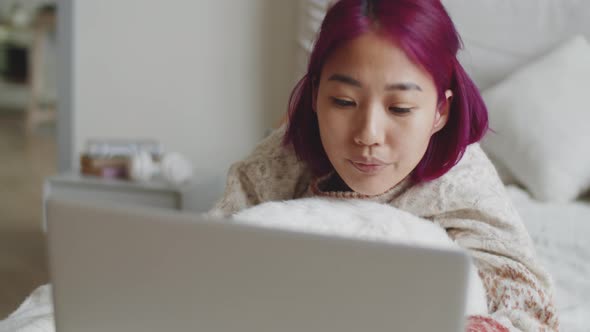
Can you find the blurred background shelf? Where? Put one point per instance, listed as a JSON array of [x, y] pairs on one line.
[[28, 66]]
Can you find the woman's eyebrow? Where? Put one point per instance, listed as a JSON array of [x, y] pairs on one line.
[[404, 86], [345, 79]]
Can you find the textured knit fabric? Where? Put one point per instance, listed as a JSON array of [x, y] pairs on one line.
[[469, 202]]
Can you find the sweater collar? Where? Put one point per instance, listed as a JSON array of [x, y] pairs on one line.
[[324, 187]]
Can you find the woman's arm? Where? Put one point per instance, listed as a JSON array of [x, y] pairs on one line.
[[471, 203], [518, 290]]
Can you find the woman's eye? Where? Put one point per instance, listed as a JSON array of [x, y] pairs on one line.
[[343, 102], [400, 110]]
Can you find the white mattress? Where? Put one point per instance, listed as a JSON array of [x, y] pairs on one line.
[[561, 235]]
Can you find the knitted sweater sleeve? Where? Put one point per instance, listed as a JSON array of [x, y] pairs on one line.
[[471, 203], [271, 172]]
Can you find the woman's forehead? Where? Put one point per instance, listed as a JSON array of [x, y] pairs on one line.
[[371, 58]]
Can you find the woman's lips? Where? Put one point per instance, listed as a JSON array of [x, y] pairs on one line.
[[368, 166]]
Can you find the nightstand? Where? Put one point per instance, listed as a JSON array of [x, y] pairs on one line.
[[156, 193]]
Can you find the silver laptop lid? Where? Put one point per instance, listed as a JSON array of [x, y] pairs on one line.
[[135, 269]]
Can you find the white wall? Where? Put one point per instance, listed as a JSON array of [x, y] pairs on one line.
[[206, 78]]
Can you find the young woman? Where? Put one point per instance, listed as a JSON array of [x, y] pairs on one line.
[[386, 113]]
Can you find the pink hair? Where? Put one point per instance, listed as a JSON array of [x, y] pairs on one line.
[[424, 30]]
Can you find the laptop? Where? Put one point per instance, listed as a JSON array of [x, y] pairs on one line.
[[122, 268]]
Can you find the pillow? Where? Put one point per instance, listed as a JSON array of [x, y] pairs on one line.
[[361, 219], [501, 36], [541, 118]]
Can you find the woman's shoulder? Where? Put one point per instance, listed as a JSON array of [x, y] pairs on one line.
[[271, 158], [474, 171], [273, 169], [271, 150], [472, 183]]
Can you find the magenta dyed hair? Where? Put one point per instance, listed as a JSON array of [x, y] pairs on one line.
[[424, 30]]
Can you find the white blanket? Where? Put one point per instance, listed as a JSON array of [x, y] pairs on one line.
[[345, 218]]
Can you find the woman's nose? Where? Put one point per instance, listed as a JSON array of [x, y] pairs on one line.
[[369, 127]]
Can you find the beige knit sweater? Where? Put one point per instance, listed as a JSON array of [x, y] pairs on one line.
[[469, 201]]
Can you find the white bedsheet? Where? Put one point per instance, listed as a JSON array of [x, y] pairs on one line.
[[561, 235]]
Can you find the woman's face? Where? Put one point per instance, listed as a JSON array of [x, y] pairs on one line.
[[376, 111]]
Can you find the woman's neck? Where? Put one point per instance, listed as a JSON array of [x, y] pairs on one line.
[[334, 183]]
